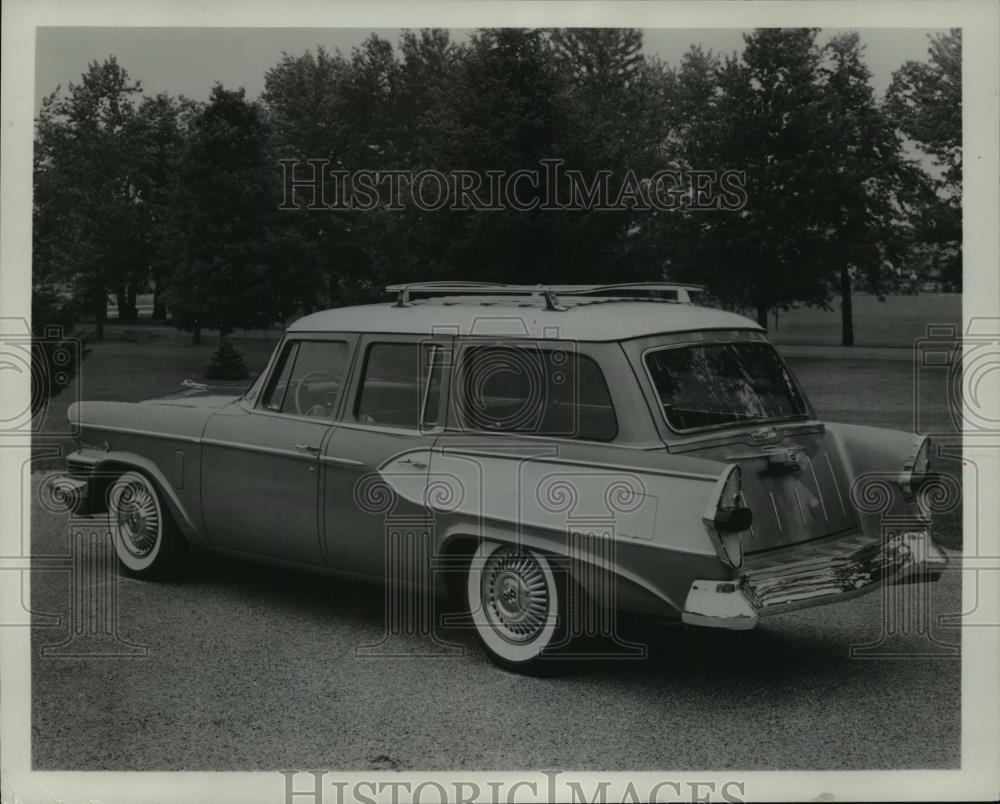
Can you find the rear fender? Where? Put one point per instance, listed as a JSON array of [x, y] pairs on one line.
[[874, 458]]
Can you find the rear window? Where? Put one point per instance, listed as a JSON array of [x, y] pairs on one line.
[[716, 384]]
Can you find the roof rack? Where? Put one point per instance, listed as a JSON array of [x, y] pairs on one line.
[[549, 293]]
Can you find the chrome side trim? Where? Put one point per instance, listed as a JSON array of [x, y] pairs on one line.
[[637, 470], [337, 461], [134, 431], [283, 453], [292, 416], [415, 432]]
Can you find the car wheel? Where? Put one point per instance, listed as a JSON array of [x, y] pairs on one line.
[[516, 607], [146, 539]]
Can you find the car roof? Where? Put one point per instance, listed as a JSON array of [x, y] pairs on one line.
[[580, 319]]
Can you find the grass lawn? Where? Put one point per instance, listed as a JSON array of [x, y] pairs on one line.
[[898, 321], [141, 362]]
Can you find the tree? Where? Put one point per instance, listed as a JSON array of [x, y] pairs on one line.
[[87, 182], [226, 363], [868, 184], [762, 117], [925, 101], [158, 132], [229, 273], [614, 113]]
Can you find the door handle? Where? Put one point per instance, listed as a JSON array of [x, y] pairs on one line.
[[414, 463], [307, 448]]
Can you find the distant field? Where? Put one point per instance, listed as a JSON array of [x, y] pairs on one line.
[[898, 321]]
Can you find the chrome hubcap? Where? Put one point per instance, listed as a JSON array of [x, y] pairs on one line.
[[515, 596], [138, 519]]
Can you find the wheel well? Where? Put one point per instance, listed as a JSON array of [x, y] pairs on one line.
[[458, 550], [456, 553], [110, 471], [101, 482]]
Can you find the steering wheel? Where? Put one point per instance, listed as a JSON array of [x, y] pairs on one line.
[[305, 381]]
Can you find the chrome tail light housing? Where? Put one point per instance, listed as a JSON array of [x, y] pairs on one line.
[[727, 518]]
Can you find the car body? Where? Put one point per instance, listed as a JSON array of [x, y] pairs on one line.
[[544, 445]]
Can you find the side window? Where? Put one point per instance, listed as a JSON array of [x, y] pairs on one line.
[[401, 385], [310, 379], [536, 391]]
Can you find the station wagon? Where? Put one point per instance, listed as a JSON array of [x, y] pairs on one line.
[[542, 450]]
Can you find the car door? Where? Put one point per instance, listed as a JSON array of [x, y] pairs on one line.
[[260, 459], [375, 464]]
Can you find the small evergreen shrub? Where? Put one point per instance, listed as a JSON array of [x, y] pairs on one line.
[[226, 363]]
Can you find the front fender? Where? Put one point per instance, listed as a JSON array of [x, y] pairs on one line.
[[105, 466]]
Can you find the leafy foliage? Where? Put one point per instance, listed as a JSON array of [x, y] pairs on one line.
[[55, 354], [925, 102], [89, 225], [188, 197]]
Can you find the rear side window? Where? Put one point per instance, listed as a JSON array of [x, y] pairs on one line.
[[401, 385], [717, 384], [534, 390]]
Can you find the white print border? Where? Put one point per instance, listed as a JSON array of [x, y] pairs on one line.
[[980, 648]]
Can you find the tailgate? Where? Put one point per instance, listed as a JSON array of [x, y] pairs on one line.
[[796, 487]]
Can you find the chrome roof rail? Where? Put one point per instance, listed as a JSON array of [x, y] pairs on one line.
[[550, 293], [609, 290], [474, 289]]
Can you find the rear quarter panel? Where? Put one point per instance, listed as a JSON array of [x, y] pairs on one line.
[[627, 522]]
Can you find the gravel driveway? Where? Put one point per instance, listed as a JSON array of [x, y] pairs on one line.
[[256, 668]]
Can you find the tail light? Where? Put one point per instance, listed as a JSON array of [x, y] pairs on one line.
[[916, 468], [727, 518]]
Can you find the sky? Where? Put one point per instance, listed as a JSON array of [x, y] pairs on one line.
[[188, 61]]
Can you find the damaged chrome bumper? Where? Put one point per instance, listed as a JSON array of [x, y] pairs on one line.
[[813, 575]]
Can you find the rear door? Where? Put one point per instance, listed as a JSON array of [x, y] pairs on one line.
[[375, 466], [729, 397]]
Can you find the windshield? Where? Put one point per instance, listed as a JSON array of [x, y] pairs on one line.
[[716, 384]]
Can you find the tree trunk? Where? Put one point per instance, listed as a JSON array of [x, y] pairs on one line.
[[762, 314], [132, 302], [159, 307], [846, 308], [100, 313], [196, 334], [125, 296]]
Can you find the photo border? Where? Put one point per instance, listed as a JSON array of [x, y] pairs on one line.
[[978, 776]]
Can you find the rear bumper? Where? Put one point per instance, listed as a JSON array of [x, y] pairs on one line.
[[813, 575]]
